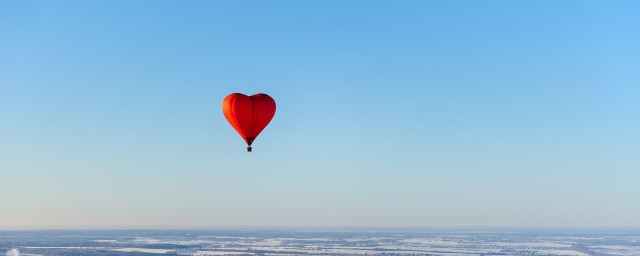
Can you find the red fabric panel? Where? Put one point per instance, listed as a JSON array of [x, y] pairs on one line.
[[248, 115]]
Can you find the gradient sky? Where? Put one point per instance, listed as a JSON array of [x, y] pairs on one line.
[[390, 113]]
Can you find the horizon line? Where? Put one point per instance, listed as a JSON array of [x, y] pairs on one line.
[[327, 228]]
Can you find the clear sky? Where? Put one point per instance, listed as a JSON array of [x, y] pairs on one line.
[[390, 113]]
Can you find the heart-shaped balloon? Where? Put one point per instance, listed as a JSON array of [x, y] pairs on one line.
[[249, 115]]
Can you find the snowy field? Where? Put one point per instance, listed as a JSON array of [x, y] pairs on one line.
[[309, 242]]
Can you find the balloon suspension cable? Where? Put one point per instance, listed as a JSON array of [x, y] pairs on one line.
[[249, 142]]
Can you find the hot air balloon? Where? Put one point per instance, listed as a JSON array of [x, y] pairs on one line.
[[249, 115]]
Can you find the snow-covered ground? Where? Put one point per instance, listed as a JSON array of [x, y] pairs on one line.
[[202, 243]]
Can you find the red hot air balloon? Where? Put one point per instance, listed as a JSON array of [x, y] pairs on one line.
[[249, 115]]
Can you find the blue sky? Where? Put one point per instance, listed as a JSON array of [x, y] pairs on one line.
[[390, 113]]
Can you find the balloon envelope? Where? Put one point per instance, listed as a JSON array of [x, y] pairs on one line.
[[248, 115]]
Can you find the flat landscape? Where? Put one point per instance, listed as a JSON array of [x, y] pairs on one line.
[[320, 242]]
